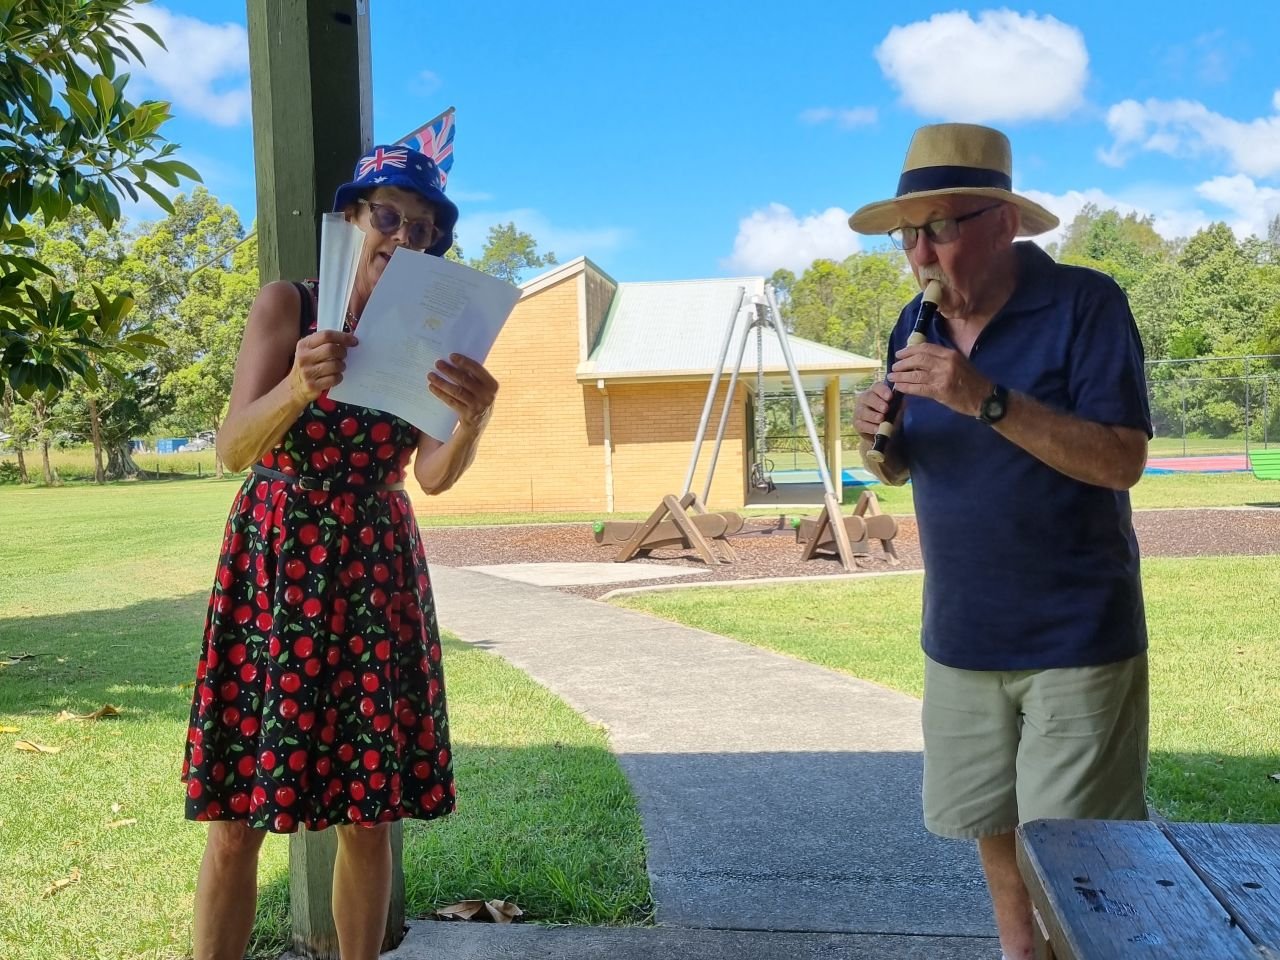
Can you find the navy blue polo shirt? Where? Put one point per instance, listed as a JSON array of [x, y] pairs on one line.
[[1026, 568]]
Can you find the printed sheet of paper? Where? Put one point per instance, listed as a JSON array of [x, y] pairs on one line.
[[423, 308]]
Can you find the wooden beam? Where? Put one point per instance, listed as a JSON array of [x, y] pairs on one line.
[[309, 69], [676, 508], [312, 119]]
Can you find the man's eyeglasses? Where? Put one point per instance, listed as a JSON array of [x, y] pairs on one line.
[[386, 219], [938, 231]]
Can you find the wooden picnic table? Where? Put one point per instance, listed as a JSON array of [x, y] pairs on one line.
[[1103, 890]]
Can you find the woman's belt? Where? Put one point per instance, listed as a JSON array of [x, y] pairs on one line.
[[328, 486]]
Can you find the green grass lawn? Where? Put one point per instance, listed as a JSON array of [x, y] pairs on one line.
[[1158, 447], [1200, 446], [76, 463], [1215, 629], [1204, 490], [1152, 491], [105, 588], [201, 496]]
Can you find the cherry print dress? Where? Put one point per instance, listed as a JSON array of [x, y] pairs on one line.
[[319, 695]]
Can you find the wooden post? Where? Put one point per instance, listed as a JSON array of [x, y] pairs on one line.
[[831, 422], [309, 69], [312, 120], [311, 893]]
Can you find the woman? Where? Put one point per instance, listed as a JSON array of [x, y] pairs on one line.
[[320, 698]]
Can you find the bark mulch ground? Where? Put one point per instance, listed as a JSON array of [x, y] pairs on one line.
[[767, 548]]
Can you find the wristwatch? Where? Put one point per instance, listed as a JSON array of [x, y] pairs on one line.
[[995, 406]]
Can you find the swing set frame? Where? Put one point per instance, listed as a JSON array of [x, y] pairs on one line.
[[687, 515]]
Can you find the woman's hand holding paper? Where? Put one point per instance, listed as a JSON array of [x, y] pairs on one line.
[[466, 387], [318, 363]]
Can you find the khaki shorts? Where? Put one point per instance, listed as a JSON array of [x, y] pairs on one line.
[[1002, 748]]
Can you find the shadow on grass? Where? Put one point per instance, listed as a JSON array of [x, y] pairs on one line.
[[549, 827], [736, 840], [137, 657]]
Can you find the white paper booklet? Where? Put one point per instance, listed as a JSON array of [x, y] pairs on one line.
[[340, 246], [422, 309]]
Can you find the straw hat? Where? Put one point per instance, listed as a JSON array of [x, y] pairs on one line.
[[954, 158]]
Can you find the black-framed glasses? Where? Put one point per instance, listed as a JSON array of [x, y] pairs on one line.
[[386, 219], [938, 231]]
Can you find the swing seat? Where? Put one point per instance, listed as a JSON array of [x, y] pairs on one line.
[[762, 476]]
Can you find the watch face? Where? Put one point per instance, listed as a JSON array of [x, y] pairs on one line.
[[993, 407]]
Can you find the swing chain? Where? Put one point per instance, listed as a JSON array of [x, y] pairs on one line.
[[762, 467]]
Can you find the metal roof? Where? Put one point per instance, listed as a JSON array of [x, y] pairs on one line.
[[675, 330]]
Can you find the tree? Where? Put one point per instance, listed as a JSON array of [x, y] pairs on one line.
[[1227, 292], [33, 424], [174, 256], [136, 404], [880, 285], [1124, 247], [194, 281], [10, 424], [812, 303], [1158, 301], [1273, 240], [208, 327], [782, 281], [83, 256], [509, 252], [853, 304], [69, 139]]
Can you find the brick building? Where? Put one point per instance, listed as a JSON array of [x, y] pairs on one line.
[[602, 388]]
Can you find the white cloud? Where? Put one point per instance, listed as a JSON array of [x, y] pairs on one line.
[[1245, 206], [1002, 67], [846, 118], [1252, 206], [566, 242], [1175, 217], [204, 69], [775, 237], [427, 82], [1242, 204], [1187, 128], [1209, 57]]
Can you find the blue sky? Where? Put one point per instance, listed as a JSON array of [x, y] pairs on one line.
[[675, 140]]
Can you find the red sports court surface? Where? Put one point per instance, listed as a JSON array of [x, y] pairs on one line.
[[1225, 464]]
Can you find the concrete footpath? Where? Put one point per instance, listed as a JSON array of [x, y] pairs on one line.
[[777, 796]]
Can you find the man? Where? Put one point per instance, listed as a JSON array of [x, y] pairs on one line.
[[1024, 423]]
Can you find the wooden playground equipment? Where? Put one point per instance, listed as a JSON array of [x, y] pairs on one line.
[[684, 520], [819, 538], [672, 526]]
